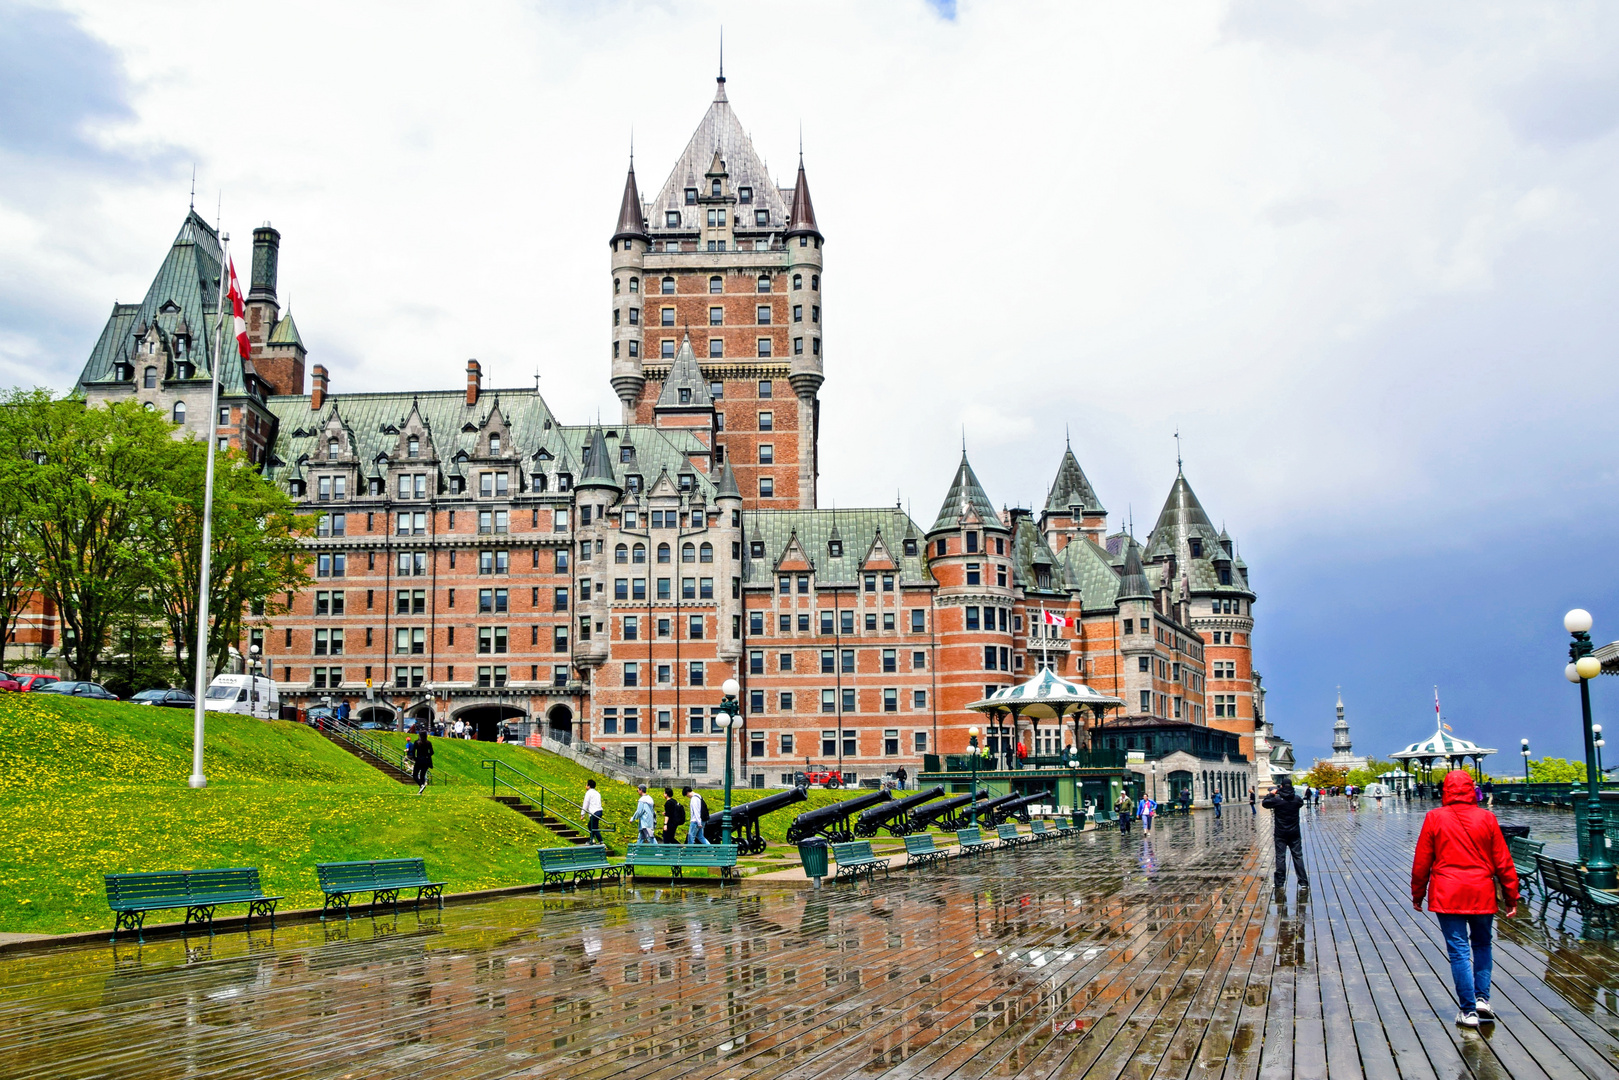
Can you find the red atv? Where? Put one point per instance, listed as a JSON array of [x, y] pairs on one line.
[[824, 777]]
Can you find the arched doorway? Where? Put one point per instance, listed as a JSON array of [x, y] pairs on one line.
[[1180, 786], [381, 715], [559, 724], [486, 720]]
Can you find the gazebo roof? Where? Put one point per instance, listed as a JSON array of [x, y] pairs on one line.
[[1046, 696], [1442, 744]]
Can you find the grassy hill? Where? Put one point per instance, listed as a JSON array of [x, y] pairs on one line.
[[91, 787]]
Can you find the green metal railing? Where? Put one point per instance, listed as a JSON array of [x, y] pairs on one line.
[[549, 802], [386, 752]]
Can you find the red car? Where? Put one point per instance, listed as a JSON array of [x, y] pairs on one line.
[[9, 682], [24, 682]]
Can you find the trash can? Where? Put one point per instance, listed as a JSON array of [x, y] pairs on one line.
[[1079, 819], [1509, 831], [815, 854]]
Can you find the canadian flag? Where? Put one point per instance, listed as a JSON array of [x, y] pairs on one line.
[[240, 312], [1053, 619]]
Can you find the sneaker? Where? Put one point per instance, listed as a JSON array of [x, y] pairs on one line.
[[1484, 1011], [1467, 1019]]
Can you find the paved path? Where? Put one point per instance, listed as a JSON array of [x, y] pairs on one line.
[[1099, 957]]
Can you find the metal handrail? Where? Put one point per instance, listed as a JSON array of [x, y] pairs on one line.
[[378, 749], [575, 815]]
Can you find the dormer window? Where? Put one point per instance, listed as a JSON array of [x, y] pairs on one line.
[[687, 482], [756, 550], [149, 378], [672, 219], [834, 548], [685, 399], [714, 189], [691, 196], [744, 195], [413, 447], [494, 444], [331, 447], [633, 483], [761, 218], [564, 481], [1225, 575], [1042, 577], [910, 546], [1197, 547]]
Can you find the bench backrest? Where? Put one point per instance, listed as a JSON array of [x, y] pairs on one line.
[[854, 851], [683, 854], [1560, 874], [970, 835], [182, 885], [919, 845], [569, 858], [369, 873], [1524, 851], [1007, 831], [1038, 828]]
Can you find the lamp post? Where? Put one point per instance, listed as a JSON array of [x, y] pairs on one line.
[[729, 718], [1600, 743], [1525, 753], [1582, 668], [972, 753]]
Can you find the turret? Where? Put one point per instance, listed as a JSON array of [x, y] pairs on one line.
[[630, 244]]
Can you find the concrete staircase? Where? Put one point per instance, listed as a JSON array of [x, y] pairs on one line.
[[371, 758], [561, 828]]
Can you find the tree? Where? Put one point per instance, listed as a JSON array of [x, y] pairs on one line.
[[1556, 770], [18, 558], [257, 557], [1368, 775], [1324, 775], [92, 481]]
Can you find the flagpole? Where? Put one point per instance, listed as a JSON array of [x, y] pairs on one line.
[[198, 780]]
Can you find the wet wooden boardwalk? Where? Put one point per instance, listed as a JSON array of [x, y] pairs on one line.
[[1104, 956]]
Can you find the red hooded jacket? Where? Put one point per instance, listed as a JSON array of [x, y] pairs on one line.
[[1461, 854]]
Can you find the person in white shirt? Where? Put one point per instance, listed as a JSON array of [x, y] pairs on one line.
[[696, 818], [592, 807], [646, 816]]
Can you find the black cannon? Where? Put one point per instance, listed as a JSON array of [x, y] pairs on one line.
[[745, 820], [962, 814], [1018, 807], [986, 812], [832, 821], [894, 816], [940, 811]]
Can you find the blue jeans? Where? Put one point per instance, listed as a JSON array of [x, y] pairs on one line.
[[694, 834], [1469, 966]]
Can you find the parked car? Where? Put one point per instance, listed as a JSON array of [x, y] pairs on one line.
[[249, 695], [77, 689], [165, 697], [8, 682], [24, 682]]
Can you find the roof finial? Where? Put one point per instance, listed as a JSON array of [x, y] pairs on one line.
[[1178, 470], [1130, 512], [800, 143], [632, 148], [193, 185], [722, 54], [1067, 440]]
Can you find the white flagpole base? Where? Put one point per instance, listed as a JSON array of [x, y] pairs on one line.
[[198, 780]]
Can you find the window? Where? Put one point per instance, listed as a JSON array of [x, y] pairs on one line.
[[764, 346], [1143, 663], [767, 421], [767, 487], [972, 618], [848, 707], [919, 700], [330, 564], [973, 575], [815, 313], [559, 598], [815, 279], [716, 284], [705, 553], [891, 735], [179, 412], [716, 348], [798, 281], [632, 674], [632, 628], [847, 661], [716, 316], [492, 639], [871, 620], [696, 673], [829, 704], [989, 658], [697, 760], [149, 378], [413, 446], [1146, 701], [846, 622], [890, 660]]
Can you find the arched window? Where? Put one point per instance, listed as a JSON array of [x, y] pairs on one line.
[[179, 412], [621, 554], [716, 284], [149, 378], [798, 281], [331, 447], [764, 282], [706, 552], [639, 554], [494, 444], [688, 553], [663, 553], [615, 286], [668, 286], [413, 446], [635, 284]]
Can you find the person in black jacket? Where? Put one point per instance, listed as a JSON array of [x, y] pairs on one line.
[[1284, 805], [422, 761]]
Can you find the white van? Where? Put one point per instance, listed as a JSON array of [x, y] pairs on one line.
[[249, 695]]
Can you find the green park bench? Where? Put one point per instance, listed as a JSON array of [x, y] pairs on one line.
[[131, 896], [920, 849], [856, 858], [588, 861], [382, 878], [1564, 881], [1524, 851], [1010, 837], [970, 841], [1040, 833], [680, 857]]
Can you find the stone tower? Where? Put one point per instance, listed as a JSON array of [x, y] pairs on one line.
[[1341, 747], [724, 256]]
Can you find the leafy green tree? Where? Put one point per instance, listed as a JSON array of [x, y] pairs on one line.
[[1556, 770], [18, 558], [1325, 775], [1368, 775]]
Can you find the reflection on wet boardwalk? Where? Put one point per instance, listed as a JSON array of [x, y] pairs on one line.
[[1104, 956]]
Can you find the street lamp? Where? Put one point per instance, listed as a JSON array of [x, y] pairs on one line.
[[1601, 773], [728, 719], [972, 753], [1525, 753], [1582, 668]]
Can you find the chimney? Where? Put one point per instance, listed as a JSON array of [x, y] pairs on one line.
[[317, 392], [266, 254], [474, 381]]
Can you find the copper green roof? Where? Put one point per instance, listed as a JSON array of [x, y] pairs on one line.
[[1184, 527], [1089, 568], [1071, 488], [599, 464], [1029, 550], [965, 493], [859, 530], [285, 332], [1133, 581]]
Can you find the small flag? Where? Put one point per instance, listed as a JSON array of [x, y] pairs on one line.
[[1053, 619], [1447, 727], [240, 312]]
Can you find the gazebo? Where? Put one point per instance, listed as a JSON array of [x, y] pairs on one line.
[[1047, 696], [1445, 749]]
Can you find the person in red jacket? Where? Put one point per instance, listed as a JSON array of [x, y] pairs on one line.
[[1461, 854]]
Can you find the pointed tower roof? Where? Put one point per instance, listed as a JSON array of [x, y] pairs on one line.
[[599, 473], [1133, 579], [719, 132], [286, 332], [684, 374], [728, 488], [965, 493], [631, 222], [1182, 519], [802, 218], [1071, 488]]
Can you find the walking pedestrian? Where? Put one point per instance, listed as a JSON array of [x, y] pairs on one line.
[[1253, 803], [1145, 809], [1121, 807], [698, 818], [1489, 793], [422, 761], [901, 775], [674, 816], [1461, 855], [1284, 805], [1218, 799], [645, 817], [592, 806]]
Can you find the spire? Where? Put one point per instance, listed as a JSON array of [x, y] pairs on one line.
[[728, 488], [599, 472], [719, 83], [1133, 579], [966, 494], [631, 223], [801, 221], [1071, 488], [1181, 521], [685, 387]]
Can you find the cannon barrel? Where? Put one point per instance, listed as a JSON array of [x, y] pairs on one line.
[[872, 819], [957, 816], [1019, 805], [995, 804], [745, 816], [811, 822], [929, 814]]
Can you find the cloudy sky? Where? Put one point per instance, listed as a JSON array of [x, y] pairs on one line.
[[1361, 256]]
